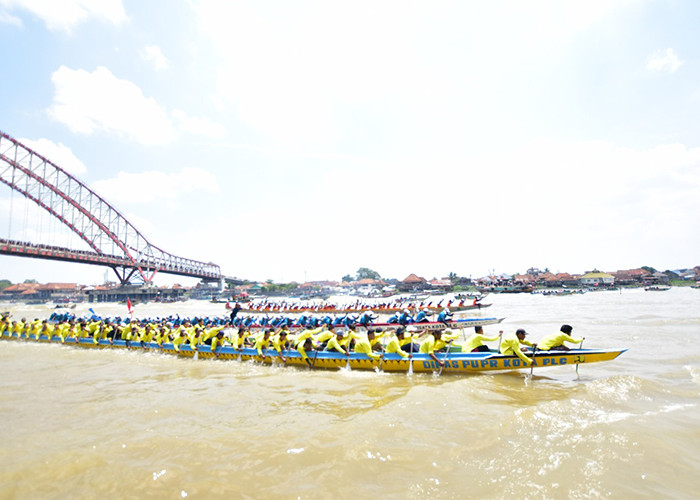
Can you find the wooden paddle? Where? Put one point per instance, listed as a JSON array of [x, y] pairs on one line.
[[580, 347], [410, 358], [444, 360], [532, 365]]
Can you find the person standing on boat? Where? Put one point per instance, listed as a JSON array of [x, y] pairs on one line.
[[555, 341], [236, 309], [429, 344], [475, 343], [511, 345]]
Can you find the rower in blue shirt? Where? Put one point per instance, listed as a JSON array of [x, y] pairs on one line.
[[405, 317], [444, 316]]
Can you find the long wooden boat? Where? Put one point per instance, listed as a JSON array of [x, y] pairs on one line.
[[456, 363], [456, 324], [321, 309]]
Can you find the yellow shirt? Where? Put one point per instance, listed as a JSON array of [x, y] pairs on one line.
[[333, 344], [475, 341], [363, 347], [511, 345], [393, 347], [555, 340]]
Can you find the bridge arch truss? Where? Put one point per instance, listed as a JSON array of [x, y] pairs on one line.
[[108, 234]]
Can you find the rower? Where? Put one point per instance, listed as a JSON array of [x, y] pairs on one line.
[[445, 315], [218, 342], [364, 346], [555, 341], [475, 343], [335, 343], [406, 342], [511, 345], [279, 342], [428, 346], [394, 347]]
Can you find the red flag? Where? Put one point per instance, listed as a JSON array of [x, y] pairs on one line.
[[128, 305]]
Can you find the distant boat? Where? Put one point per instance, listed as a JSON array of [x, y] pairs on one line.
[[506, 289], [657, 288]]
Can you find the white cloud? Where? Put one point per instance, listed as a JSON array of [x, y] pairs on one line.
[[147, 187], [88, 102], [305, 73], [153, 54], [64, 15], [59, 154], [664, 60], [199, 126], [7, 18]]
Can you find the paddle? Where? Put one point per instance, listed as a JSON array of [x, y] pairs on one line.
[[532, 365], [444, 360], [580, 347], [347, 353], [410, 358], [311, 366], [381, 358]]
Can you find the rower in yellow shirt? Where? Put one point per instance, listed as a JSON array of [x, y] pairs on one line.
[[336, 342], [555, 341], [279, 343], [18, 327], [263, 343], [180, 339], [321, 338], [364, 346], [475, 343], [407, 341], [394, 346], [195, 338], [238, 341], [211, 333], [511, 345], [429, 345], [303, 342], [46, 329], [218, 342]]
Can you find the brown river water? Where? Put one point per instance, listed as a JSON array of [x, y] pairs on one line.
[[79, 423]]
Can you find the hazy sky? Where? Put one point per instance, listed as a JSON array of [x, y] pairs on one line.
[[304, 140]]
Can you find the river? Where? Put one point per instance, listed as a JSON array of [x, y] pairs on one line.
[[83, 423]]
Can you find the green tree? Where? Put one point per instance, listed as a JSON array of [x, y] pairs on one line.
[[347, 278], [31, 281], [4, 284], [649, 268], [366, 273]]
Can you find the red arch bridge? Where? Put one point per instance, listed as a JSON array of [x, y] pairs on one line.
[[110, 239]]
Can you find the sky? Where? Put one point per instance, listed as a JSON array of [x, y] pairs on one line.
[[297, 141]]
